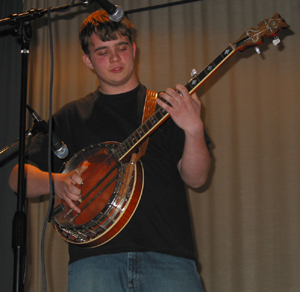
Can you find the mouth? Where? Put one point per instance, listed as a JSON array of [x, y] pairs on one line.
[[117, 70]]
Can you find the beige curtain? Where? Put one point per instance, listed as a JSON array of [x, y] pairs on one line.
[[246, 218]]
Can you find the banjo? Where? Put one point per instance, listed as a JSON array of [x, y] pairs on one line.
[[113, 182]]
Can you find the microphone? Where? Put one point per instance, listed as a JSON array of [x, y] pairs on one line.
[[59, 148], [115, 12]]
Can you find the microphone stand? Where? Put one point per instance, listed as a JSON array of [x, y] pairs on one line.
[[28, 134], [22, 29]]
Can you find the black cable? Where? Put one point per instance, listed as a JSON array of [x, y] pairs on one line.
[[68, 8], [49, 154], [159, 6], [49, 145]]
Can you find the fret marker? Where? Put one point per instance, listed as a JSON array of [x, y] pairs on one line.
[[226, 52], [194, 82], [209, 68], [153, 120]]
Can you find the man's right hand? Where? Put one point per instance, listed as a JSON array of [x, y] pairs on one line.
[[66, 186]]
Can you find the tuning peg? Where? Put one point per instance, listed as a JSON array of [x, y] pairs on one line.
[[276, 41], [257, 50], [194, 73]]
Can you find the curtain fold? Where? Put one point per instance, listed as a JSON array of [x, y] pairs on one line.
[[246, 218]]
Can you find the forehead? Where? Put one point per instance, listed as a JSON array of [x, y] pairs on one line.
[[96, 42]]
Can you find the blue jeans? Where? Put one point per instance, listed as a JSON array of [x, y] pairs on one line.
[[134, 272]]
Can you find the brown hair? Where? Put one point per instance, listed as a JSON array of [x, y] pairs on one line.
[[99, 23]]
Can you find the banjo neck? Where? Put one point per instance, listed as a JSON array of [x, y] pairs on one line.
[[250, 38]]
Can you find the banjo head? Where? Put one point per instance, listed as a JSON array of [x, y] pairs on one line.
[[105, 202]]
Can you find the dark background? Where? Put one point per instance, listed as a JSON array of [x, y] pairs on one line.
[[10, 83]]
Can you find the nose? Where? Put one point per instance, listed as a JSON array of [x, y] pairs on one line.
[[114, 56]]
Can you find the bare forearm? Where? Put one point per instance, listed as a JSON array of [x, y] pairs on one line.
[[65, 185], [37, 181], [185, 110], [195, 162]]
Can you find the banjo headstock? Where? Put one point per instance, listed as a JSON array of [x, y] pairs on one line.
[[253, 37]]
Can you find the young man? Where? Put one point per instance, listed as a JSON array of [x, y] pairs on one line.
[[154, 252]]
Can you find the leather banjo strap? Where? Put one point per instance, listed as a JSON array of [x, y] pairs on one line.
[[149, 109]]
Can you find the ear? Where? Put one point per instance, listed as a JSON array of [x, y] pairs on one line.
[[86, 59], [133, 49]]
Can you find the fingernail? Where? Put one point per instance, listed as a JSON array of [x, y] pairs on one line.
[[86, 163]]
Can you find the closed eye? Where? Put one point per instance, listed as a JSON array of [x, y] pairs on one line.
[[102, 53], [123, 48]]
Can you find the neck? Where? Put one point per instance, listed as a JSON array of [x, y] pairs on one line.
[[111, 89]]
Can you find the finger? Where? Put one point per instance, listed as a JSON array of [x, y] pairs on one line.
[[72, 205], [184, 91], [187, 98], [74, 192], [176, 93], [181, 90], [195, 97], [76, 178], [84, 166], [166, 100]]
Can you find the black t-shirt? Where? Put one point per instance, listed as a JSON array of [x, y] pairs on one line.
[[161, 222]]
